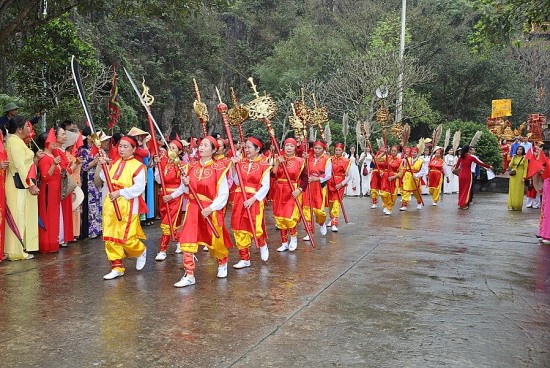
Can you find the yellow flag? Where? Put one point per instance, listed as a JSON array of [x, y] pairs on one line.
[[501, 108]]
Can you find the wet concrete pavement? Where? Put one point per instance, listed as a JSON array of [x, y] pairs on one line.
[[430, 288]]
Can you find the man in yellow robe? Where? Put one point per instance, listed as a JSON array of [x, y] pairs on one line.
[[412, 171]]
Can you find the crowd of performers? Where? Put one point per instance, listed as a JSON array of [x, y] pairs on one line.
[[201, 180]]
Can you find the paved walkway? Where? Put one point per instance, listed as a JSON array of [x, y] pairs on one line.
[[430, 288]]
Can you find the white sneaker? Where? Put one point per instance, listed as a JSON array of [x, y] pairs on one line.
[[205, 249], [241, 264], [403, 208], [545, 241], [373, 206], [384, 210], [222, 271], [283, 247], [434, 204], [306, 238], [140, 263], [178, 249], [328, 223], [161, 256], [324, 229], [293, 244], [388, 212], [264, 253], [419, 207], [112, 275], [63, 245], [185, 281], [535, 207], [334, 229]]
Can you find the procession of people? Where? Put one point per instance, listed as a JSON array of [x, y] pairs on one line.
[[197, 181]]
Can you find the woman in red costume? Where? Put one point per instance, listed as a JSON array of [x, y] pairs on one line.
[[66, 233], [172, 201], [208, 178], [465, 176], [49, 198], [505, 152], [389, 183], [375, 178], [340, 177], [255, 174], [320, 172], [435, 175], [285, 208]]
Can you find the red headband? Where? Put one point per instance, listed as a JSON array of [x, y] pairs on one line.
[[213, 141], [414, 149], [320, 144], [292, 141], [396, 148], [129, 140], [177, 143], [257, 142], [339, 145]]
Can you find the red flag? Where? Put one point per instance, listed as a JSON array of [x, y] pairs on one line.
[[51, 137], [529, 155], [536, 164], [31, 175], [114, 104], [79, 143]]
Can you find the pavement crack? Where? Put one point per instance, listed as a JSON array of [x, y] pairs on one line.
[[303, 306]]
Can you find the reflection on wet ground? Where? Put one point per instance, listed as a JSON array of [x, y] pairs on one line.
[[429, 288]]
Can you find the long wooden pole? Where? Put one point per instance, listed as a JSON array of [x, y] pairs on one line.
[[287, 176], [222, 109]]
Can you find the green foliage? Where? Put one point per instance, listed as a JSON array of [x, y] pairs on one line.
[[502, 20], [488, 148]]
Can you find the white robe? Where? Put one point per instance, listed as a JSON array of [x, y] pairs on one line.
[[354, 185], [365, 162]]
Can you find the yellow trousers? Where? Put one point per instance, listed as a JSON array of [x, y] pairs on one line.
[[388, 199], [406, 196], [334, 209], [243, 239], [133, 247], [319, 213], [217, 247]]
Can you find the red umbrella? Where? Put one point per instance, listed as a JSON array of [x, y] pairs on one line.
[[13, 226]]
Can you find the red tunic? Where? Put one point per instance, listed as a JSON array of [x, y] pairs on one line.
[[375, 179], [340, 167], [316, 169], [393, 164], [49, 199], [205, 180], [435, 175], [251, 175], [283, 201]]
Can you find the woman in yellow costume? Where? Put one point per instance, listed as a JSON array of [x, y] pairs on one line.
[[390, 168], [208, 180], [255, 174], [436, 175], [516, 187], [123, 238], [412, 172]]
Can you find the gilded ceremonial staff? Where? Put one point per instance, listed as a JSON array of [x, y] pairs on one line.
[[149, 99], [95, 138], [300, 124], [237, 115], [201, 110], [264, 108], [222, 109]]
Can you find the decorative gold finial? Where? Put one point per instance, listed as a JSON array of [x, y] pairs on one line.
[[253, 86], [149, 99]]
